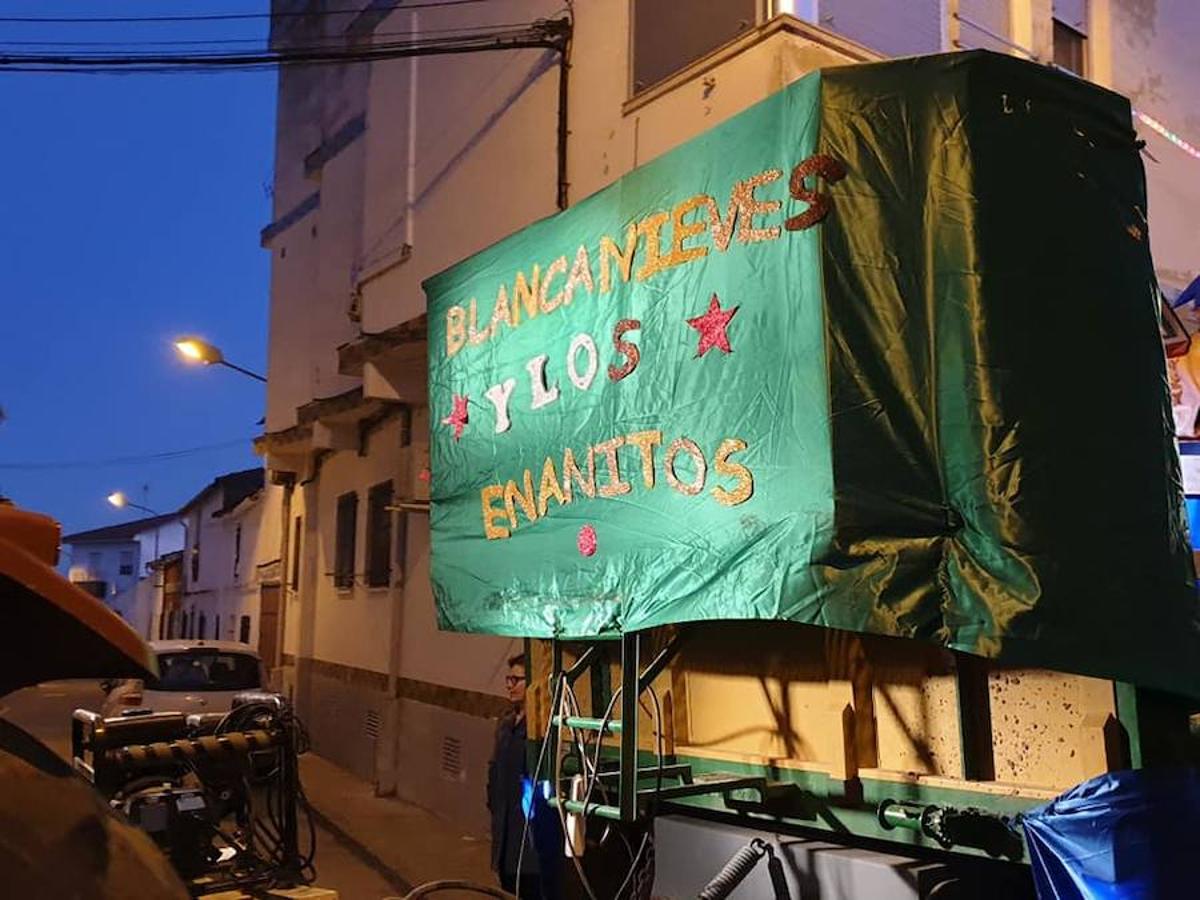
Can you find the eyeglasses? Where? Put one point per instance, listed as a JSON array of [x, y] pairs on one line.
[[513, 680]]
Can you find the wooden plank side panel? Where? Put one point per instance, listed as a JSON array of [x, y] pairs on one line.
[[795, 697]]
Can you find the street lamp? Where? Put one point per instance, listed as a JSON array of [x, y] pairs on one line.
[[196, 350], [120, 501]]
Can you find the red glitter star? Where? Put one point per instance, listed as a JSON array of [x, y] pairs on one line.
[[458, 417], [712, 327]]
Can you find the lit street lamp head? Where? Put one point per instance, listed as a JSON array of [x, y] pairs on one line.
[[120, 500], [196, 350]]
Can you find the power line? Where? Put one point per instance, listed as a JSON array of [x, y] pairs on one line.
[[550, 34], [121, 460], [218, 17], [334, 40]]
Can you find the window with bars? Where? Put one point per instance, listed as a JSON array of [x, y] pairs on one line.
[[344, 552], [126, 565], [379, 535]]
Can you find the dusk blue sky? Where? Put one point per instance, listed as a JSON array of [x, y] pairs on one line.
[[131, 211]]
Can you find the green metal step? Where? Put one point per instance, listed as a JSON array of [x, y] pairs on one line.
[[714, 783], [670, 770], [581, 723]]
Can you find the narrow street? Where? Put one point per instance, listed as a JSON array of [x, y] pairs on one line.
[[45, 711]]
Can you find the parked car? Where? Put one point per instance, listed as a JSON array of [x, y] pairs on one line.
[[194, 677]]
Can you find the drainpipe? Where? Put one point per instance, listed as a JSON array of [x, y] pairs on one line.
[[288, 481], [564, 69], [410, 186]]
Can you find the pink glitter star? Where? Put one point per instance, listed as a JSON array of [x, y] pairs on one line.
[[712, 327], [458, 416]]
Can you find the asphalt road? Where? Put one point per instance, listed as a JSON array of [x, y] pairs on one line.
[[45, 712]]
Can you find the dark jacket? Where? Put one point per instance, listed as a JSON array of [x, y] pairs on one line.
[[506, 771]]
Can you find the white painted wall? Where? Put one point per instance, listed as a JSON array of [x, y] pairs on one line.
[[310, 273], [170, 540], [1155, 62], [469, 661], [353, 626], [137, 605], [101, 561], [221, 590], [893, 29], [140, 545]]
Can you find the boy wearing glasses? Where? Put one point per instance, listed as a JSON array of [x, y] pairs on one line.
[[507, 773]]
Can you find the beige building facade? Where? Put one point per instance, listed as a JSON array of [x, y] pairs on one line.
[[388, 172]]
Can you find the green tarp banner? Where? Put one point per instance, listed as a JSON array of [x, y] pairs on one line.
[[880, 353]]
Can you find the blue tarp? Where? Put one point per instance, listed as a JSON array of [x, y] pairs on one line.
[[1122, 835], [1190, 294]]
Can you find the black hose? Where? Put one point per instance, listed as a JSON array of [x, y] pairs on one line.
[[735, 871]]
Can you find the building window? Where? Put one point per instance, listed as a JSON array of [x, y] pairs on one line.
[[401, 546], [94, 563], [237, 550], [405, 426], [217, 627], [1070, 48], [244, 630], [126, 566], [379, 535], [203, 627], [297, 535], [669, 36], [344, 549]]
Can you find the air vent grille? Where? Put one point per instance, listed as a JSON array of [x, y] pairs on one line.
[[452, 759], [374, 724]]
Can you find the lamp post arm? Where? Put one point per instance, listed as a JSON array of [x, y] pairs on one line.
[[254, 375]]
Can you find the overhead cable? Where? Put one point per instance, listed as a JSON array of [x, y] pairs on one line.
[[337, 40], [538, 35], [122, 460], [217, 17]]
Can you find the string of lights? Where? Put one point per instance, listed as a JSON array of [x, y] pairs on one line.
[[1155, 125]]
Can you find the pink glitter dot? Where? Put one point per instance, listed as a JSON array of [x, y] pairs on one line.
[[586, 540]]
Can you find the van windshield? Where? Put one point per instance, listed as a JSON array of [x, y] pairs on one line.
[[206, 670]]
